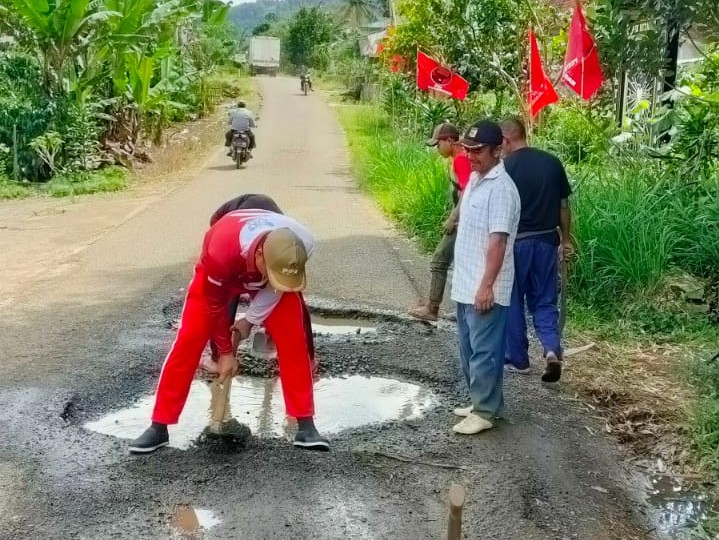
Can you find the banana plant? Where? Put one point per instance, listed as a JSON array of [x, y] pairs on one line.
[[59, 29]]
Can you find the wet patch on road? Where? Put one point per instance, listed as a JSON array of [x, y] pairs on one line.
[[341, 403], [190, 522], [678, 508]]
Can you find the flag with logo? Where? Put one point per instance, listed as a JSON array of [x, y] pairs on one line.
[[439, 80], [541, 89], [582, 72]]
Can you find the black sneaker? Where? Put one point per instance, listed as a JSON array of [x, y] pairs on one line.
[[152, 439], [310, 439], [553, 371]]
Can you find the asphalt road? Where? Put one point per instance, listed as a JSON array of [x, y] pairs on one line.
[[93, 289]]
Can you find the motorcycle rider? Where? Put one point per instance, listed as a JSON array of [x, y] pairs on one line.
[[305, 75], [241, 120]]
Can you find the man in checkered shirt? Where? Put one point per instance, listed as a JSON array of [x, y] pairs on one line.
[[484, 275]]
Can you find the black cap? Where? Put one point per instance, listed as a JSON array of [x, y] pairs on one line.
[[442, 131], [483, 133]]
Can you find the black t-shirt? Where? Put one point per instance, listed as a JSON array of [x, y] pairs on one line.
[[542, 183]]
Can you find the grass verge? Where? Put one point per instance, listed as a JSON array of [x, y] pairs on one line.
[[69, 184], [648, 375], [408, 181]]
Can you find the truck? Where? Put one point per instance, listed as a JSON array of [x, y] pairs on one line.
[[264, 55]]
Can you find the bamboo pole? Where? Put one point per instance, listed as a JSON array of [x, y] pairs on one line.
[[457, 495]]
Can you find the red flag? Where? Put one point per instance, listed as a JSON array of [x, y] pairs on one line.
[[541, 90], [433, 76], [582, 72]]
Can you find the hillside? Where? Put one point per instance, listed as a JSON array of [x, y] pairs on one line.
[[247, 16]]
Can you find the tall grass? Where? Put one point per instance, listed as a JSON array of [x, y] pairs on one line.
[[408, 180], [624, 229], [88, 182]]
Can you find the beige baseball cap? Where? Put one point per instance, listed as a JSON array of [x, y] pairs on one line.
[[285, 257]]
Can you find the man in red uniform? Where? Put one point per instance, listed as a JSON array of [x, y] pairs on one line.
[[257, 252]]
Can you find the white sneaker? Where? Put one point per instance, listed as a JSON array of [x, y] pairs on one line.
[[472, 425], [463, 412]]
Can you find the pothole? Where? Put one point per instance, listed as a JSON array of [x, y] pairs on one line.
[[341, 403], [337, 326]]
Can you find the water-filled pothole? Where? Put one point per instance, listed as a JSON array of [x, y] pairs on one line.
[[678, 509], [187, 520], [340, 403], [337, 326], [261, 346]]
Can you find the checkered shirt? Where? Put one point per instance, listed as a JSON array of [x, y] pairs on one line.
[[489, 205]]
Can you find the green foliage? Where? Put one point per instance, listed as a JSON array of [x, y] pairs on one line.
[[623, 230], [576, 134], [409, 181], [705, 424], [48, 146], [696, 212], [87, 182], [249, 15], [12, 190], [80, 130], [23, 107], [308, 31], [86, 70], [483, 39]]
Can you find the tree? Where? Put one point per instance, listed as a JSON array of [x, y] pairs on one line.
[[484, 40], [59, 29], [307, 31], [122, 67], [357, 12]]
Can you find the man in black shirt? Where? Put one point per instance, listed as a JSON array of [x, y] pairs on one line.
[[543, 235]]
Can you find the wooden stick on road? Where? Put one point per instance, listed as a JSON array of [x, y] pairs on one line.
[[219, 404], [457, 495]]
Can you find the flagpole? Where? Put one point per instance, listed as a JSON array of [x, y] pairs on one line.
[[581, 80], [528, 90]]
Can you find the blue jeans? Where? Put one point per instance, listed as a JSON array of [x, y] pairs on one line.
[[482, 341], [535, 278]]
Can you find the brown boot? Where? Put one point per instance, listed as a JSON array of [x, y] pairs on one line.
[[426, 312], [430, 310]]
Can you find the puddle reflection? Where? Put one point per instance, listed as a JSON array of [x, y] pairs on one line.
[[187, 520], [341, 403], [678, 509]]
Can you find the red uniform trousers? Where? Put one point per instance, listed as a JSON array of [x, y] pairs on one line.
[[286, 327]]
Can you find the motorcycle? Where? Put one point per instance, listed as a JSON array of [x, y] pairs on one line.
[[240, 148], [305, 83]]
